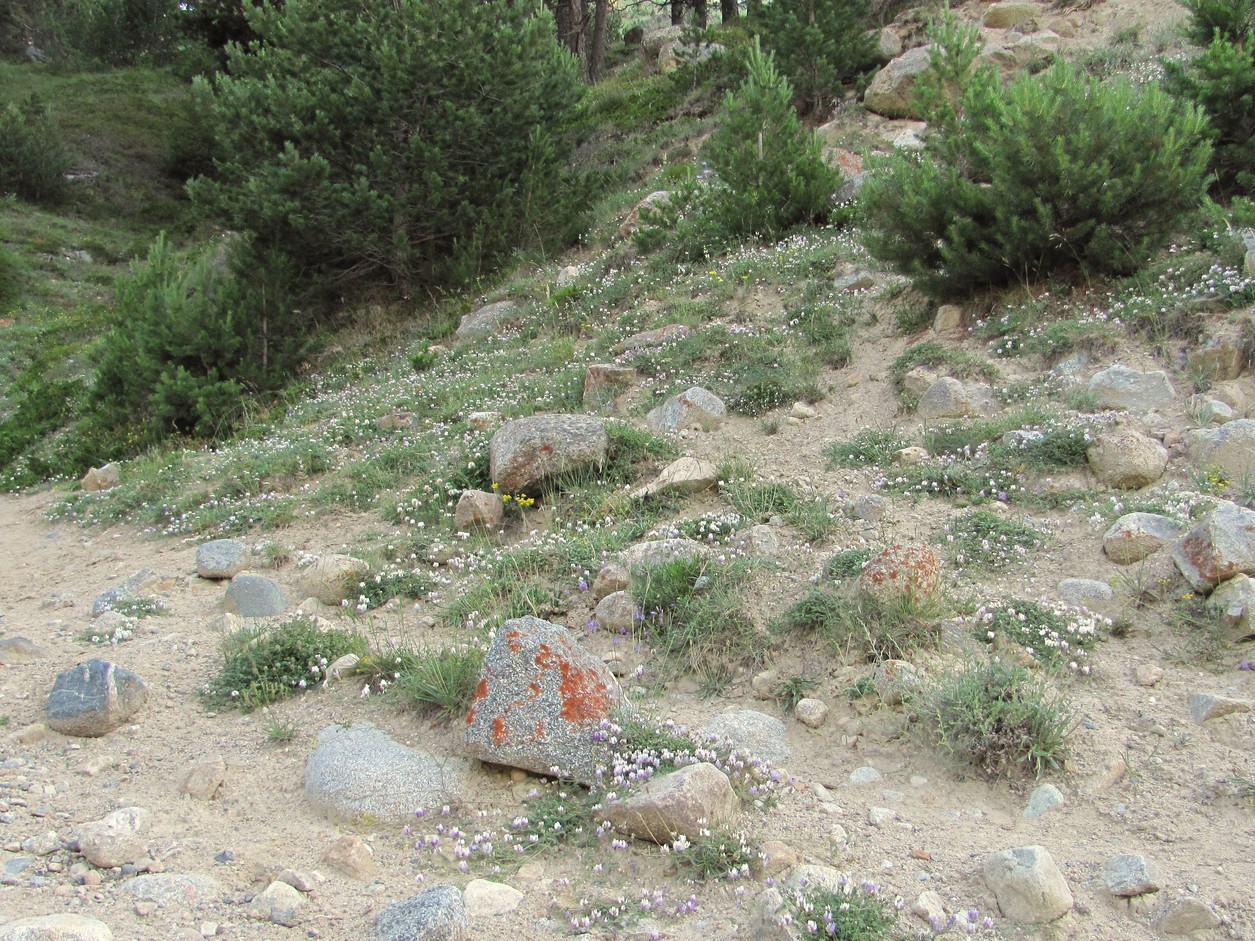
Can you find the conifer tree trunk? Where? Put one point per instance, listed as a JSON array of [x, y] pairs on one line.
[[677, 12], [597, 43], [700, 13], [728, 10]]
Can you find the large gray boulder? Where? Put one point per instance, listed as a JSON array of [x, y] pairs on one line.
[[487, 320], [1121, 387], [357, 772], [332, 578], [1219, 547], [1027, 884], [1231, 448], [62, 927], [94, 698], [892, 92], [1126, 459], [526, 452], [435, 914], [681, 803], [540, 701], [751, 733]]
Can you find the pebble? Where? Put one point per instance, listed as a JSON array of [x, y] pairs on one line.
[[865, 775], [1148, 674], [1044, 798]]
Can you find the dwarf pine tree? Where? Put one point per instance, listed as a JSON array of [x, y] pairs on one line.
[[819, 45], [417, 139]]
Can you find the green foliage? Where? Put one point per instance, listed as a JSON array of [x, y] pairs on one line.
[[764, 174], [1055, 635], [33, 160], [793, 690], [281, 732], [872, 629], [262, 665], [819, 44], [419, 140], [715, 854], [871, 446], [193, 339], [1000, 718], [1056, 171], [988, 541], [771, 165], [441, 681], [120, 32], [1221, 81], [847, 912], [847, 564]]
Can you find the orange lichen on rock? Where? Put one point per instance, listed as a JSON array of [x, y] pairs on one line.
[[585, 698]]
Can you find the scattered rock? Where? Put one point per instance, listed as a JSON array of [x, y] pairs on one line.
[[694, 408], [278, 903], [435, 914], [652, 338], [945, 398], [1233, 601], [332, 578], [56, 928], [221, 558], [1218, 360], [539, 698], [1231, 448], [204, 778], [1126, 459], [1045, 797], [351, 857], [486, 898], [297, 880], [94, 698], [1205, 706], [478, 508], [880, 816], [357, 771], [603, 383], [101, 478], [254, 596], [775, 857], [812, 713], [173, 890], [1008, 15], [751, 733], [525, 452], [892, 91], [617, 612], [1220, 546], [656, 552], [131, 589], [20, 650], [1188, 916], [1148, 674], [487, 320], [612, 577], [910, 570], [687, 475], [681, 803], [758, 540], [865, 775], [1128, 874], [1134, 536], [1124, 388], [894, 680], [949, 317], [930, 907], [1027, 884], [852, 280], [116, 839], [1085, 592]]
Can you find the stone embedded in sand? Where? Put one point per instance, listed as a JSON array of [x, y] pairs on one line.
[[114, 840], [1231, 448], [1219, 547], [903, 570], [222, 558], [1129, 874], [525, 452], [94, 698], [478, 508], [539, 701], [1121, 387], [351, 857], [696, 407], [254, 596], [435, 914], [686, 475], [204, 778], [1028, 885], [485, 898], [682, 803], [1134, 536], [1126, 459], [63, 927], [656, 552], [604, 382], [332, 578], [751, 733]]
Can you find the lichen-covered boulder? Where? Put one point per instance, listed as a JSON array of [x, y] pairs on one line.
[[911, 570], [1219, 547], [527, 451], [1134, 536], [540, 701], [697, 407], [1230, 448], [892, 92]]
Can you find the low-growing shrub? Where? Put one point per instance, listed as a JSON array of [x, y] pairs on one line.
[[441, 681], [987, 540], [1056, 171], [1000, 718], [846, 912], [871, 446], [871, 629], [847, 564], [1055, 635], [33, 161], [262, 665]]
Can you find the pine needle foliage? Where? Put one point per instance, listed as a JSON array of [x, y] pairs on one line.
[[1053, 172], [819, 44]]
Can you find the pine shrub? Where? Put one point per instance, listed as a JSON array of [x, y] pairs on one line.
[[1221, 80], [1056, 171], [819, 44], [33, 161]]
